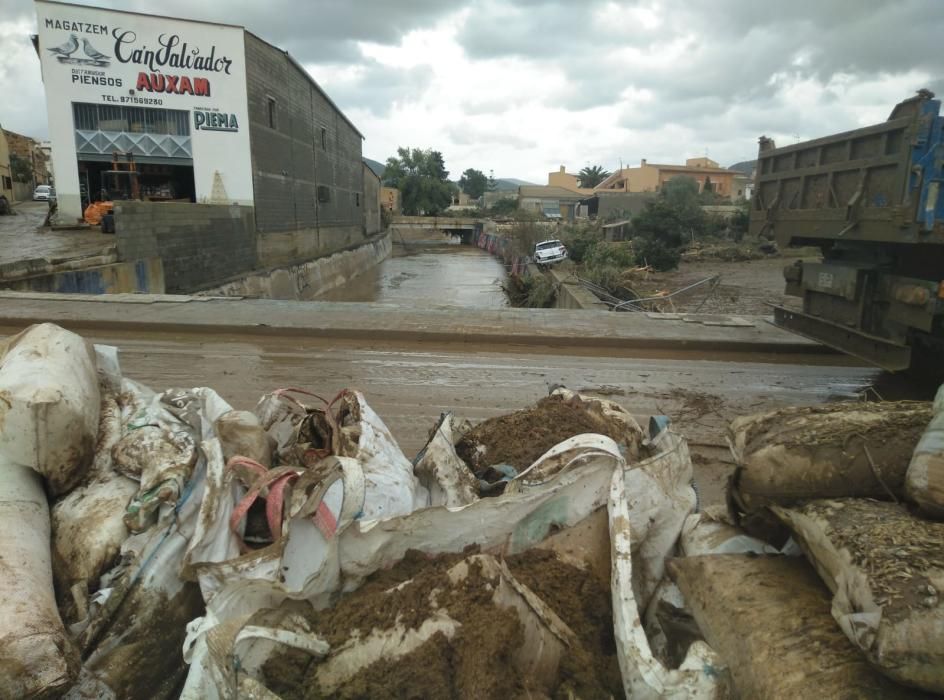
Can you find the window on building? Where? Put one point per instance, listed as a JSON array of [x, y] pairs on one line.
[[7, 183], [357, 199], [324, 193], [324, 139], [271, 112], [90, 117]]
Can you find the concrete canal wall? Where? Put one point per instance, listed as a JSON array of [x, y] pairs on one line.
[[309, 279]]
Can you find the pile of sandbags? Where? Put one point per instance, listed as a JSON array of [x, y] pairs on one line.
[[856, 611], [164, 540], [795, 454]]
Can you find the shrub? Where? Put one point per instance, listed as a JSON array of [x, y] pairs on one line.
[[655, 252]]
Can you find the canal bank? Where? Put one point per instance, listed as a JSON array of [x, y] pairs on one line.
[[308, 279]]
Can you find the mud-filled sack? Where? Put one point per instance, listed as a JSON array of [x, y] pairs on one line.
[[49, 412], [37, 657], [457, 626], [768, 617], [885, 567], [830, 451], [446, 478], [925, 479], [499, 448], [712, 532]]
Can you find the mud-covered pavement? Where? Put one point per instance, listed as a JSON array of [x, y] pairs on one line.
[[411, 385]]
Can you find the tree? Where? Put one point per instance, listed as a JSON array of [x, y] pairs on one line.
[[421, 177], [21, 169], [473, 182], [592, 175], [681, 194]]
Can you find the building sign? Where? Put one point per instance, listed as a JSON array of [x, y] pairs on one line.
[[95, 56]]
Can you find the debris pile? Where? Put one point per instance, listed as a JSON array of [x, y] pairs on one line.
[[167, 545]]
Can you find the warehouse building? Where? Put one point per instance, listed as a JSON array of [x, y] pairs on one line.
[[166, 110]]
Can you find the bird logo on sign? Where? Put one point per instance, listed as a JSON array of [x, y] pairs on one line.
[[67, 49], [93, 53], [64, 53]]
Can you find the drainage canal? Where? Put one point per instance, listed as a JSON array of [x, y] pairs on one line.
[[443, 275]]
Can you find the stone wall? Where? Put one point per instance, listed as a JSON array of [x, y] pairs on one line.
[[199, 244], [306, 157]]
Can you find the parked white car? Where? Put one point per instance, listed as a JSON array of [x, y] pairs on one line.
[[549, 252], [43, 193]]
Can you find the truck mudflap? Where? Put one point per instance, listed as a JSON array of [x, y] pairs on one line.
[[877, 351]]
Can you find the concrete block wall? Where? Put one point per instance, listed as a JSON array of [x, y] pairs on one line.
[[293, 157], [199, 244]]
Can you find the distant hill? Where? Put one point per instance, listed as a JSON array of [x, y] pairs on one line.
[[745, 166], [376, 166]]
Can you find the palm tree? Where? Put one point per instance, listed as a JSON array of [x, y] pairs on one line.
[[592, 175]]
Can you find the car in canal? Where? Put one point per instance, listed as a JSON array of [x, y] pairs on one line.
[[549, 252]]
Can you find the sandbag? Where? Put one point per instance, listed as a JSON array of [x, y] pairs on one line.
[[51, 402], [711, 532], [37, 658], [885, 568], [442, 473], [87, 524], [924, 482], [499, 633], [132, 636], [514, 442], [768, 618], [241, 434], [829, 451], [702, 673]]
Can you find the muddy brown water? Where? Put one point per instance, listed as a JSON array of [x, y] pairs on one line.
[[443, 275]]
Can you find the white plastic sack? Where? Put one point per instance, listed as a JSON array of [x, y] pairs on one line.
[[506, 525], [701, 675], [924, 481], [135, 628], [442, 472], [712, 533], [37, 658], [51, 401]]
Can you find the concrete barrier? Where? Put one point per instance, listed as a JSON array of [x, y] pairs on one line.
[[571, 294], [309, 279], [134, 277]]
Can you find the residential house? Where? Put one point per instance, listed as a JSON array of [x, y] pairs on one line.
[[651, 177], [568, 181], [29, 151], [460, 200], [390, 199], [552, 202], [743, 186], [6, 174], [615, 204]]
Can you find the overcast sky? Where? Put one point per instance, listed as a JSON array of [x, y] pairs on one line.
[[522, 87]]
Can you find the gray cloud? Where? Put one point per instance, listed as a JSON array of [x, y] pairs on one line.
[[735, 78]]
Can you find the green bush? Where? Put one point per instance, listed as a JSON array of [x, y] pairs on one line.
[[655, 252]]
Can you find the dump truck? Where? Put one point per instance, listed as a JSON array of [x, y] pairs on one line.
[[871, 200]]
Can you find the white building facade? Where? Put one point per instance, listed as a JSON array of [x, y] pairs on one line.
[[169, 92]]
